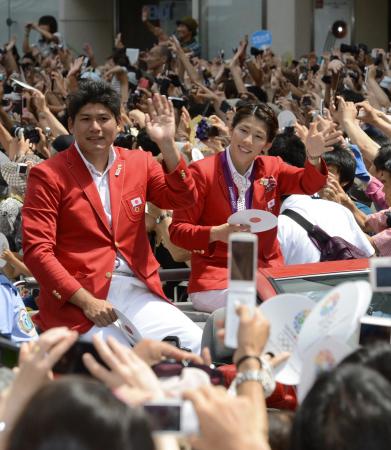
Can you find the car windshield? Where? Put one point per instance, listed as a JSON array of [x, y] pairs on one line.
[[316, 286]]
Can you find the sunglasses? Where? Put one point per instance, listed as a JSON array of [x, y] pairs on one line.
[[172, 368]]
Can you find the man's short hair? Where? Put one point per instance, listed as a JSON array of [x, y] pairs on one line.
[[289, 148], [50, 21], [383, 158], [94, 92]]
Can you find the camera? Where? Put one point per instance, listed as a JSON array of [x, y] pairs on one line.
[[125, 140], [255, 51], [28, 132], [346, 48], [72, 362]]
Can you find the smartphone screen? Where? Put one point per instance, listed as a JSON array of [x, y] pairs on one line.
[[164, 417], [383, 276], [242, 261], [172, 416], [370, 333], [143, 83]]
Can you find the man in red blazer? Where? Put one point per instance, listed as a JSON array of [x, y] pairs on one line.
[[84, 236]]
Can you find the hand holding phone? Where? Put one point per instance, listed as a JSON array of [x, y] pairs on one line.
[[242, 266]]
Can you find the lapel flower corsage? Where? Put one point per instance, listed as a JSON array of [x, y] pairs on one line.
[[269, 183]]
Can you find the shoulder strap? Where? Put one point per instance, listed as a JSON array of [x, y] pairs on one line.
[[298, 218]]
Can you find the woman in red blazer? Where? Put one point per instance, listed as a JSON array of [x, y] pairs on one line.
[[203, 228]]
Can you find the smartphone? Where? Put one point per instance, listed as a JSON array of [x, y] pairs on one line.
[[242, 269], [9, 353], [143, 83], [71, 361], [321, 108], [172, 416], [177, 102], [380, 274], [366, 74], [374, 329], [21, 169]]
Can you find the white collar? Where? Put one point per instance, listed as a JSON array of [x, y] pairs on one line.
[[92, 169], [232, 167]]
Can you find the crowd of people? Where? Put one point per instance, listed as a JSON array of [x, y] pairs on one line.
[[110, 168]]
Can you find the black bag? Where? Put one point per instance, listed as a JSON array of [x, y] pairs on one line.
[[332, 248]]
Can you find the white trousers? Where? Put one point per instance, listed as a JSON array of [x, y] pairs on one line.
[[209, 301], [153, 317]]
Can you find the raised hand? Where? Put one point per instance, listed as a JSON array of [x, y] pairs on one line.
[[160, 120], [319, 142]]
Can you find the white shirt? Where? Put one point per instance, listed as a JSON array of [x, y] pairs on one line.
[[101, 181], [233, 170], [335, 219]]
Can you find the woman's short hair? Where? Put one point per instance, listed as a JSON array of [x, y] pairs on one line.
[[94, 92], [79, 413], [260, 111]]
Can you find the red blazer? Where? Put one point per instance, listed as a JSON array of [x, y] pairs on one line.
[[67, 241], [190, 228]]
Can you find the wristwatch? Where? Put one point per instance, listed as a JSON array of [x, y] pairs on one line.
[[250, 375]]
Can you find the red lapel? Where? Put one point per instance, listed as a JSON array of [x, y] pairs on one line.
[[221, 178], [83, 177], [258, 187], [116, 182]]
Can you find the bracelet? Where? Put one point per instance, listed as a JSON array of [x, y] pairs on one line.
[[162, 217], [246, 357]]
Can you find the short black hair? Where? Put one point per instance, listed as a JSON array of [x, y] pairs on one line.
[[94, 92], [347, 408], [345, 163], [79, 413], [351, 96], [376, 356], [260, 111], [290, 148], [50, 21], [383, 158]]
